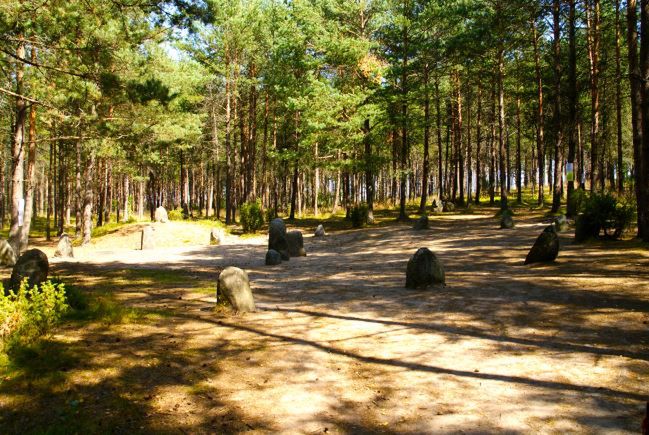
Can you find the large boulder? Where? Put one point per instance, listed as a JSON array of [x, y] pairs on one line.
[[277, 237], [216, 236], [148, 238], [234, 287], [64, 247], [506, 221], [320, 231], [424, 269], [32, 265], [437, 206], [421, 223], [295, 244], [7, 254], [273, 258], [161, 215], [546, 247]]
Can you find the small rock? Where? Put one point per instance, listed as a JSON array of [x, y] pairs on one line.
[[295, 244], [64, 247], [148, 238], [234, 287], [421, 223], [161, 215], [32, 265], [546, 247], [7, 254], [424, 269], [216, 236], [273, 258], [506, 221], [320, 231]]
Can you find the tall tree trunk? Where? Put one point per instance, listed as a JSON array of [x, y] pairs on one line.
[[636, 83], [31, 169], [369, 173], [556, 180], [426, 164], [17, 154], [572, 106], [316, 181], [501, 127], [519, 168], [294, 184], [593, 37], [618, 100], [540, 141], [478, 167], [86, 230], [643, 204], [404, 126], [440, 157]]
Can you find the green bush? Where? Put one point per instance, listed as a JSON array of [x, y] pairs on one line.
[[270, 214], [359, 216], [251, 216], [578, 200], [603, 216], [175, 214], [30, 313]]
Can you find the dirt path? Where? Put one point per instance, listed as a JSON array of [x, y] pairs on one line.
[[338, 345]]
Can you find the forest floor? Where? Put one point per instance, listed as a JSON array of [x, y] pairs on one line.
[[338, 345]]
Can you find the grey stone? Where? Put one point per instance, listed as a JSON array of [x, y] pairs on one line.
[[424, 269], [161, 215], [545, 248], [560, 223], [448, 206], [506, 221], [273, 257], [277, 237], [148, 238], [7, 254], [32, 265], [295, 244], [421, 223], [437, 206], [64, 247], [234, 287], [320, 231], [216, 236]]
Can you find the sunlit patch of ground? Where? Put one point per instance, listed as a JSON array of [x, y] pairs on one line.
[[338, 345]]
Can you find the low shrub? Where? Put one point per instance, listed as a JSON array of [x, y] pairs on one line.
[[30, 313], [359, 215], [603, 216], [251, 216], [175, 214]]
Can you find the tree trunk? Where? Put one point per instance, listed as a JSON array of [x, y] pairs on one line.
[[17, 154], [369, 174], [426, 164], [572, 105], [540, 146], [478, 167], [30, 179], [556, 180], [618, 100]]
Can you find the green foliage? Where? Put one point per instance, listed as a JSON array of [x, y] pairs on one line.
[[359, 215], [175, 214], [603, 216], [30, 313], [252, 216], [578, 200]]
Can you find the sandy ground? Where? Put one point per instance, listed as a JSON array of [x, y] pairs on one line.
[[338, 345]]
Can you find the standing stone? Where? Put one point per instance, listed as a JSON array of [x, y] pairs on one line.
[[216, 236], [546, 247], [161, 215], [506, 221], [295, 244], [320, 231], [148, 238], [64, 247], [560, 223], [424, 269], [234, 287], [277, 237], [7, 254], [32, 265], [448, 206], [273, 258], [437, 206], [421, 223]]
